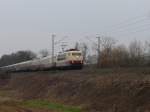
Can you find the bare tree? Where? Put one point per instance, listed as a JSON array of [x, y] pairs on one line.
[[84, 48], [147, 47], [107, 43], [136, 51], [120, 56], [106, 46], [147, 54]]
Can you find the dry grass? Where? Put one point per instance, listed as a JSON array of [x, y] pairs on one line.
[[101, 90]]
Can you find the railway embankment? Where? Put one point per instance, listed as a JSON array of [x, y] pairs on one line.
[[94, 90]]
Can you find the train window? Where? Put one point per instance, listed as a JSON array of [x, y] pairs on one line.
[[76, 54], [61, 57]]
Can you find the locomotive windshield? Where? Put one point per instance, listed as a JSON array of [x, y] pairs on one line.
[[76, 54], [61, 57]]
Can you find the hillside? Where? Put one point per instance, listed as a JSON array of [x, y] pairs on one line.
[[87, 90]]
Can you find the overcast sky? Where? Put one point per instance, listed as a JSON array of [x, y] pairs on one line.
[[28, 24]]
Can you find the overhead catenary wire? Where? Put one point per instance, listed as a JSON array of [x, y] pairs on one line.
[[135, 31], [129, 29], [140, 25], [129, 23]]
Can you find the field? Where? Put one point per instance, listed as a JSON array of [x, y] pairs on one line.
[[87, 90]]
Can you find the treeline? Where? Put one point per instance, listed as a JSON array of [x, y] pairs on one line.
[[136, 54], [112, 54], [17, 57]]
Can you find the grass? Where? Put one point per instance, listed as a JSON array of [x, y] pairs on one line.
[[6, 93], [104, 71], [40, 104]]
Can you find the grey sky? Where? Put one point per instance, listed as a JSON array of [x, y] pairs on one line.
[[27, 24]]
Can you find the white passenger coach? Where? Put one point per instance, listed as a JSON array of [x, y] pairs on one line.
[[70, 59]]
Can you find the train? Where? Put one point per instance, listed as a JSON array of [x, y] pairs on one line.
[[69, 59]]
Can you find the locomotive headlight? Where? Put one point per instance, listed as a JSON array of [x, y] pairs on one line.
[[77, 56]]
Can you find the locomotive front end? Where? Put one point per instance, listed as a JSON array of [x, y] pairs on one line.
[[75, 59]]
